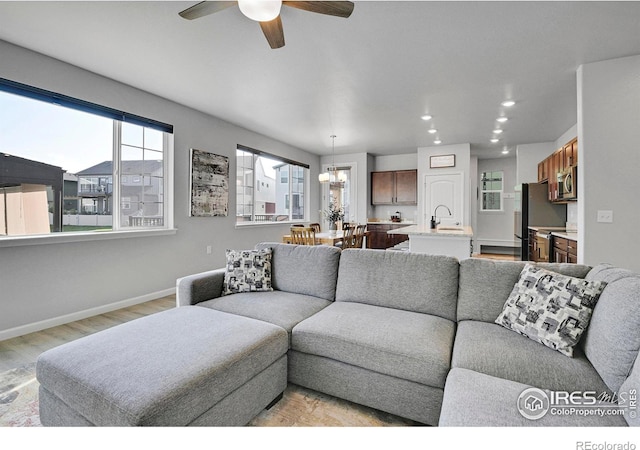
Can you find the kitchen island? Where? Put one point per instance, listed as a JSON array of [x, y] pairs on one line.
[[444, 240]]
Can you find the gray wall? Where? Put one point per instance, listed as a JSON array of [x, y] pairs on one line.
[[528, 156], [60, 282], [608, 137]]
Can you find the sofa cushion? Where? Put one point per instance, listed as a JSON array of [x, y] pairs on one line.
[[247, 271], [486, 284], [612, 341], [496, 351], [473, 399], [404, 344], [304, 269], [550, 308], [279, 308], [409, 281]]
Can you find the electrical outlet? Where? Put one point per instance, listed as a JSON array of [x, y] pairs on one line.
[[208, 249], [605, 216]]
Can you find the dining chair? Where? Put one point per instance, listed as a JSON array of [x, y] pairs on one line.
[[315, 226], [303, 236], [346, 225], [359, 236], [348, 240]]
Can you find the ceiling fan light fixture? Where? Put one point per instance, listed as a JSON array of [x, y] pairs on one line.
[[260, 10]]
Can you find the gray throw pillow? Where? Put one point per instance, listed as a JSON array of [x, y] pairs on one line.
[[550, 308], [247, 271]]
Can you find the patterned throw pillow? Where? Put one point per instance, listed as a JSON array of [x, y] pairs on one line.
[[247, 271], [550, 308]]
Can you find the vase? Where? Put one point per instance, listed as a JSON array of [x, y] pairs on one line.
[[333, 228]]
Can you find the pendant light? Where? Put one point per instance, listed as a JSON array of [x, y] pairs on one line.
[[333, 174]]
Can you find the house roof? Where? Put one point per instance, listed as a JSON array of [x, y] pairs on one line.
[[367, 79], [128, 167]]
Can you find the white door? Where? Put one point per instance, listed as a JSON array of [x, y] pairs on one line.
[[447, 190]]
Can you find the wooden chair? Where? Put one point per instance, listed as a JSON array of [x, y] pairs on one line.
[[359, 236], [315, 226], [348, 241], [346, 225], [303, 236]]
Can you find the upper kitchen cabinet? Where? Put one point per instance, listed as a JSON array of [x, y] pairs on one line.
[[399, 187]]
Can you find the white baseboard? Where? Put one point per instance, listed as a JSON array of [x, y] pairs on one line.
[[61, 320]]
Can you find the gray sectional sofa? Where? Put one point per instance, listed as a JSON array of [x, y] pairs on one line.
[[410, 334], [414, 335]]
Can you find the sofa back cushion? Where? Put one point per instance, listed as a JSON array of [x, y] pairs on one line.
[[408, 281], [612, 340], [485, 285], [304, 269]]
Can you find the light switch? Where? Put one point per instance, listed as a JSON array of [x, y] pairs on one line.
[[605, 216]]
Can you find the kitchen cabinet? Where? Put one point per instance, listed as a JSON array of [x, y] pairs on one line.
[[379, 238], [570, 151], [398, 187], [543, 171], [559, 161], [533, 245], [565, 250]]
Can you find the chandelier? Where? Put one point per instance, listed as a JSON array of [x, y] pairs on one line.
[[333, 174]]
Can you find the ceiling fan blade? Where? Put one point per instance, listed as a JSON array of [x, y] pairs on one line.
[[340, 9], [273, 32], [204, 9]]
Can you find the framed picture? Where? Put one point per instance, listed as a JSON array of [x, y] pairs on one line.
[[209, 184], [442, 161]]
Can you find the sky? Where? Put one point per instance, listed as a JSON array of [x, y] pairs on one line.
[[53, 134]]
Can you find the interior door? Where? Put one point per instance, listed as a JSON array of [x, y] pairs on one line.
[[448, 190]]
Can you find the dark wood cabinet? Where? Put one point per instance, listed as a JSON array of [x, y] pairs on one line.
[[559, 161], [394, 187], [533, 246], [380, 239], [565, 250], [543, 171]]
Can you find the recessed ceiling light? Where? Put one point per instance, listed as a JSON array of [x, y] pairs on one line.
[[502, 119], [495, 140], [505, 152], [497, 131], [426, 117], [432, 130], [508, 103], [437, 141]]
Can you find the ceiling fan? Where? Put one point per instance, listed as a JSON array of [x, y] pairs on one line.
[[267, 13]]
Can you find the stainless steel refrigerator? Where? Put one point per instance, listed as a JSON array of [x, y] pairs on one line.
[[533, 208]]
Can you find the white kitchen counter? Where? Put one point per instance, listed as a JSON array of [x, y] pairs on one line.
[[443, 241]]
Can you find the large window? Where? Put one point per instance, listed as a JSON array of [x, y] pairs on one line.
[[269, 188], [70, 166], [491, 187]]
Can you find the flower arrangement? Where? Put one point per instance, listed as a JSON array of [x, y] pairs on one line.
[[333, 214]]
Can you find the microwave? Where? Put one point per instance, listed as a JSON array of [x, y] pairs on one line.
[[568, 184]]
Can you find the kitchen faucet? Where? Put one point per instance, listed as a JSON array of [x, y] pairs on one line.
[[435, 211]]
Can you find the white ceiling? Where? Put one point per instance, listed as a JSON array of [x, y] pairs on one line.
[[366, 79]]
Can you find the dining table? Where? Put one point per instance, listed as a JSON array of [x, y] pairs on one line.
[[324, 237]]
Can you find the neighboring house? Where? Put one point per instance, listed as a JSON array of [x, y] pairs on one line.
[[256, 199], [26, 187], [70, 199], [290, 197], [141, 190]]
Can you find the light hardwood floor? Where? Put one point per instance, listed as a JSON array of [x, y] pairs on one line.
[[25, 349]]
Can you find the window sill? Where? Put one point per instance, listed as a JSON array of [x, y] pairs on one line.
[[62, 238]]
